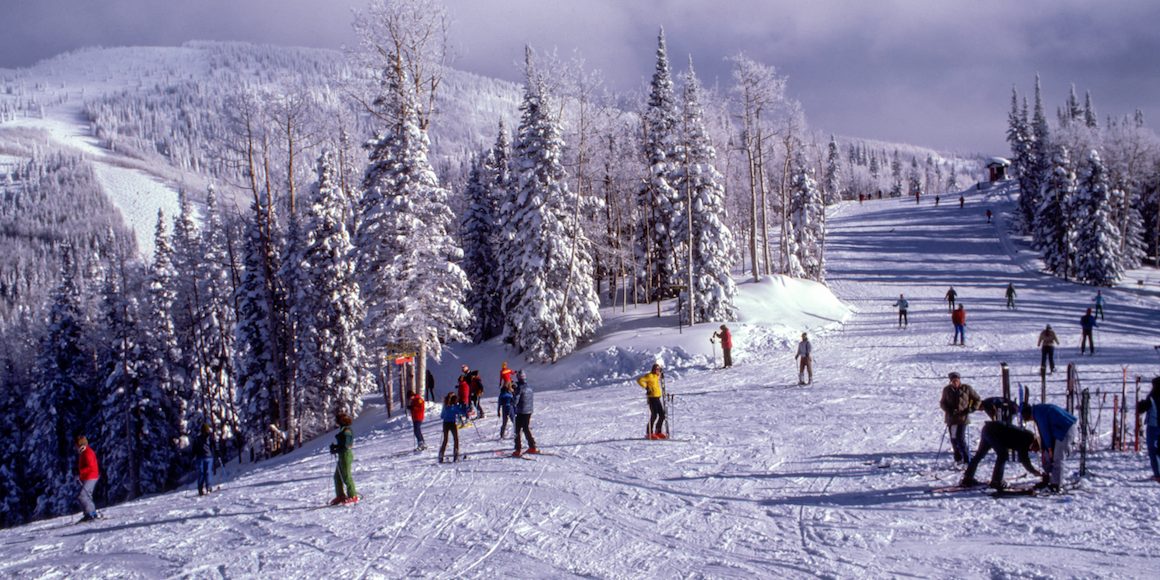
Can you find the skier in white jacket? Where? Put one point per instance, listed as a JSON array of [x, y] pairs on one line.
[[805, 361]]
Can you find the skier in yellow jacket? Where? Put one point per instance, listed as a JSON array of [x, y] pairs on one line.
[[651, 383]]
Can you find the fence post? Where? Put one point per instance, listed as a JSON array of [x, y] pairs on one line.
[[1136, 444], [1084, 424]]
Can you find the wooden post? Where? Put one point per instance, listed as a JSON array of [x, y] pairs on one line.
[[1136, 444], [1115, 421]]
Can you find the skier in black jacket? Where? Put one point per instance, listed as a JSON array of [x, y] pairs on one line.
[[203, 459], [1002, 438]]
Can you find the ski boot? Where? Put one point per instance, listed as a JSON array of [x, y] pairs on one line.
[[337, 500]]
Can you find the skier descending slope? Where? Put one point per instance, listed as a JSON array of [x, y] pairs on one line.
[[651, 383], [343, 447]]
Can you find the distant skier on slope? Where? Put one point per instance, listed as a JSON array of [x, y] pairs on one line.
[[343, 448], [805, 360], [476, 394], [418, 410], [1010, 296], [1087, 324], [429, 392], [989, 215], [1099, 300], [523, 406], [452, 411], [958, 401], [959, 320], [1003, 438], [1046, 344], [950, 297], [902, 305], [1057, 429], [651, 383], [88, 472], [505, 375], [1150, 407], [464, 387], [726, 339], [203, 459]]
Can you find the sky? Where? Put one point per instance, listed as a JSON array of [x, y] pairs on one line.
[[936, 74]]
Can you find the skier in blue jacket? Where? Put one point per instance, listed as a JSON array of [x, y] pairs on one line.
[[505, 408], [1087, 323], [452, 411], [1150, 407], [1056, 433]]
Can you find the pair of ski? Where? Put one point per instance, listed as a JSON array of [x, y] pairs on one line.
[[1012, 491]]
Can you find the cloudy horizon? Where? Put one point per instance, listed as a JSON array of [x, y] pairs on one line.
[[910, 71]]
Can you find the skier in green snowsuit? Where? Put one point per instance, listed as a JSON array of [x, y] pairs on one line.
[[343, 447]]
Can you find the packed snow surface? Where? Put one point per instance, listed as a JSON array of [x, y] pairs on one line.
[[762, 478]]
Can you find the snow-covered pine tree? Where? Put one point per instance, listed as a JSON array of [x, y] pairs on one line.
[[914, 180], [480, 232], [1089, 112], [63, 403], [831, 181], [412, 284], [332, 359], [808, 215], [1040, 163], [953, 179], [896, 175], [497, 165], [659, 202], [712, 246], [1126, 216], [254, 359], [1097, 240], [552, 298], [1053, 232], [215, 397]]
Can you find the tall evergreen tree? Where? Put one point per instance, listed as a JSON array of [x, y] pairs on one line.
[[831, 181], [480, 229], [1097, 239], [552, 298], [258, 388], [914, 179], [412, 284], [332, 358], [808, 213], [161, 355], [712, 246], [896, 175], [1030, 192], [659, 202], [1054, 225]]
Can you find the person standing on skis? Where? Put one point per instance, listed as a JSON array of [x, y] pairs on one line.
[[1003, 438], [343, 448], [958, 401], [805, 361], [1047, 342], [505, 375], [959, 319], [1099, 300], [1010, 296], [902, 305], [452, 411], [726, 344], [505, 408], [1087, 324], [950, 297], [88, 472], [418, 410], [651, 383], [203, 459], [523, 407]]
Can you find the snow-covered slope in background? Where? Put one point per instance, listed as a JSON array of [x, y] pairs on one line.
[[763, 478]]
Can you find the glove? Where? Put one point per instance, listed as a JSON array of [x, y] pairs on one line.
[[334, 448]]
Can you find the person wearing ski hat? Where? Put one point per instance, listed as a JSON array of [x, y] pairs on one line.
[[203, 459], [343, 448], [958, 401], [726, 344], [522, 401], [417, 408], [959, 320], [651, 383], [1047, 342], [1150, 407], [950, 296], [1057, 430], [88, 472], [1087, 323], [805, 361], [1003, 438], [505, 407]]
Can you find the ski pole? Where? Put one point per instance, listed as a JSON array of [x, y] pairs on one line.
[[941, 440]]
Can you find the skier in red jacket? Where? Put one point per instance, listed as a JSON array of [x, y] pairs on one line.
[[959, 319], [88, 472], [418, 409], [726, 344]]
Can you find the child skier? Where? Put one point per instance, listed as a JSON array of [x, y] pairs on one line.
[[452, 411], [418, 409], [343, 448], [523, 408], [651, 383], [505, 408]]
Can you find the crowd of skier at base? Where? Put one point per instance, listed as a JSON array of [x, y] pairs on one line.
[[1056, 428], [1047, 339]]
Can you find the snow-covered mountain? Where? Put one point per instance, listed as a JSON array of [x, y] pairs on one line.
[[762, 478]]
